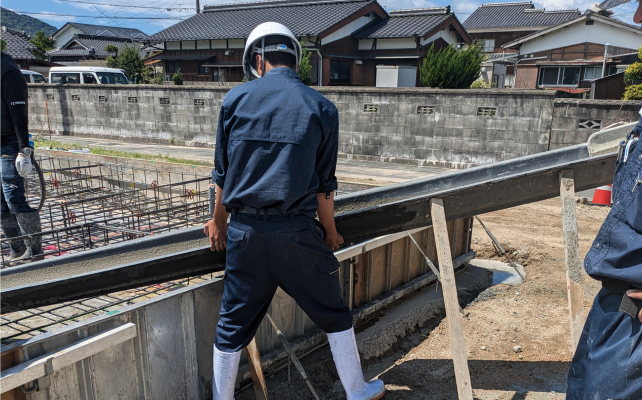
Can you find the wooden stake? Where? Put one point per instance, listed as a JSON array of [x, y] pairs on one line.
[[254, 359], [449, 288], [574, 271]]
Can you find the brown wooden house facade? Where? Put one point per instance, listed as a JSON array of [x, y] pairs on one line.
[[347, 38]]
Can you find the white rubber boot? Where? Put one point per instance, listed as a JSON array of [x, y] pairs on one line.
[[346, 358], [226, 366]]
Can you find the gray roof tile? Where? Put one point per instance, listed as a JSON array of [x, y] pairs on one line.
[[516, 15], [113, 31], [18, 44], [236, 21], [97, 42], [406, 23]]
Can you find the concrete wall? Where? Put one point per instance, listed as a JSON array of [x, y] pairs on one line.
[[454, 128], [575, 120]]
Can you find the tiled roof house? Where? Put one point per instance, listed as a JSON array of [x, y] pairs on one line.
[[20, 48], [497, 24], [348, 38], [87, 47]]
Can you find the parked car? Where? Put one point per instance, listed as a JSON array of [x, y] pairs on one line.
[[88, 75], [33, 77]]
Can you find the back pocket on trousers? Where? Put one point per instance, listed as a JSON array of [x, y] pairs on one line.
[[329, 284]]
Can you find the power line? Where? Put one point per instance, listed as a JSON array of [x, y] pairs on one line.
[[89, 16], [128, 6]]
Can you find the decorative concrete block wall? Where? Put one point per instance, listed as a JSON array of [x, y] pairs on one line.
[[575, 120], [454, 128]]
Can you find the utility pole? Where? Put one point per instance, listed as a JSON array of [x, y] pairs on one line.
[[198, 7]]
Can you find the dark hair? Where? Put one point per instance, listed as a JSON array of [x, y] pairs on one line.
[[278, 58]]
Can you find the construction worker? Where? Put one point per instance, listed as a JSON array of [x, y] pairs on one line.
[[276, 155], [17, 218], [608, 359]]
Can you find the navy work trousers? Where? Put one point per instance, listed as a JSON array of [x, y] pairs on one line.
[[608, 360], [12, 191], [266, 252]]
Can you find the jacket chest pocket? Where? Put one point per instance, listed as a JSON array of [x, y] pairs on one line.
[[329, 284]]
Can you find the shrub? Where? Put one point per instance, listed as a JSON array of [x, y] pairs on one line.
[[633, 92], [305, 69], [159, 79], [633, 71], [450, 68], [480, 84], [177, 78]]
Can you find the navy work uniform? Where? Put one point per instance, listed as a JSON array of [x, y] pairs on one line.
[[276, 147], [608, 360]]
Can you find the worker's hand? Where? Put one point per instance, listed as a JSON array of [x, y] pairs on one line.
[[635, 294], [333, 240], [217, 232], [23, 165]]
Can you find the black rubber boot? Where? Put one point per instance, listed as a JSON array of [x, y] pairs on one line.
[[11, 229], [30, 224]]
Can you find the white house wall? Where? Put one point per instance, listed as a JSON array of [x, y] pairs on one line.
[[65, 36], [449, 36], [347, 30], [391, 44], [599, 33]]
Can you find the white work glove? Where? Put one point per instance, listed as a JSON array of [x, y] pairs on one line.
[[23, 164]]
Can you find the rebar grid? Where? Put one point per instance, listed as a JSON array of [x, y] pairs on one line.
[[29, 323], [94, 204]]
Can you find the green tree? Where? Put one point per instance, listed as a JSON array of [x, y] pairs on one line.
[[112, 48], [129, 60], [159, 78], [177, 78], [633, 71], [42, 43], [450, 68], [633, 92], [3, 44], [305, 69]]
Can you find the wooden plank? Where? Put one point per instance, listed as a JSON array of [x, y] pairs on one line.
[[398, 263], [378, 272], [574, 270], [254, 359], [449, 288], [47, 364]]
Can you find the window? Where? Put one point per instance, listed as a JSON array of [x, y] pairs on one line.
[[340, 71], [613, 69], [202, 69], [591, 73], [559, 76], [39, 79], [172, 66], [65, 78], [89, 78], [489, 45], [112, 78], [27, 78]]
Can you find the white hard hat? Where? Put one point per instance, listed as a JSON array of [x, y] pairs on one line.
[[256, 44]]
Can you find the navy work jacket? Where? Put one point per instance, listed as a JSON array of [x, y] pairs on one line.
[[617, 250], [276, 145]]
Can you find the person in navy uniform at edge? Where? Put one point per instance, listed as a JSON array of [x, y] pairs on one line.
[[608, 360], [17, 218], [275, 161]]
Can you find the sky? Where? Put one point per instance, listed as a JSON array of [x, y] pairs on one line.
[[101, 12]]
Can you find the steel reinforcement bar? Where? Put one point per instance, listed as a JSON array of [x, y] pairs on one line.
[[370, 214]]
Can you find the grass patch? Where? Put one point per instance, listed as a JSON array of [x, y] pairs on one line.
[[101, 151]]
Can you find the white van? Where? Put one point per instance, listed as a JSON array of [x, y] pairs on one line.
[[33, 77], [88, 75]]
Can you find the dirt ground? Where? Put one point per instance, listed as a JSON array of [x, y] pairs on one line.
[[532, 315]]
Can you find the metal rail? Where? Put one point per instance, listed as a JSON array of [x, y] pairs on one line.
[[465, 194]]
